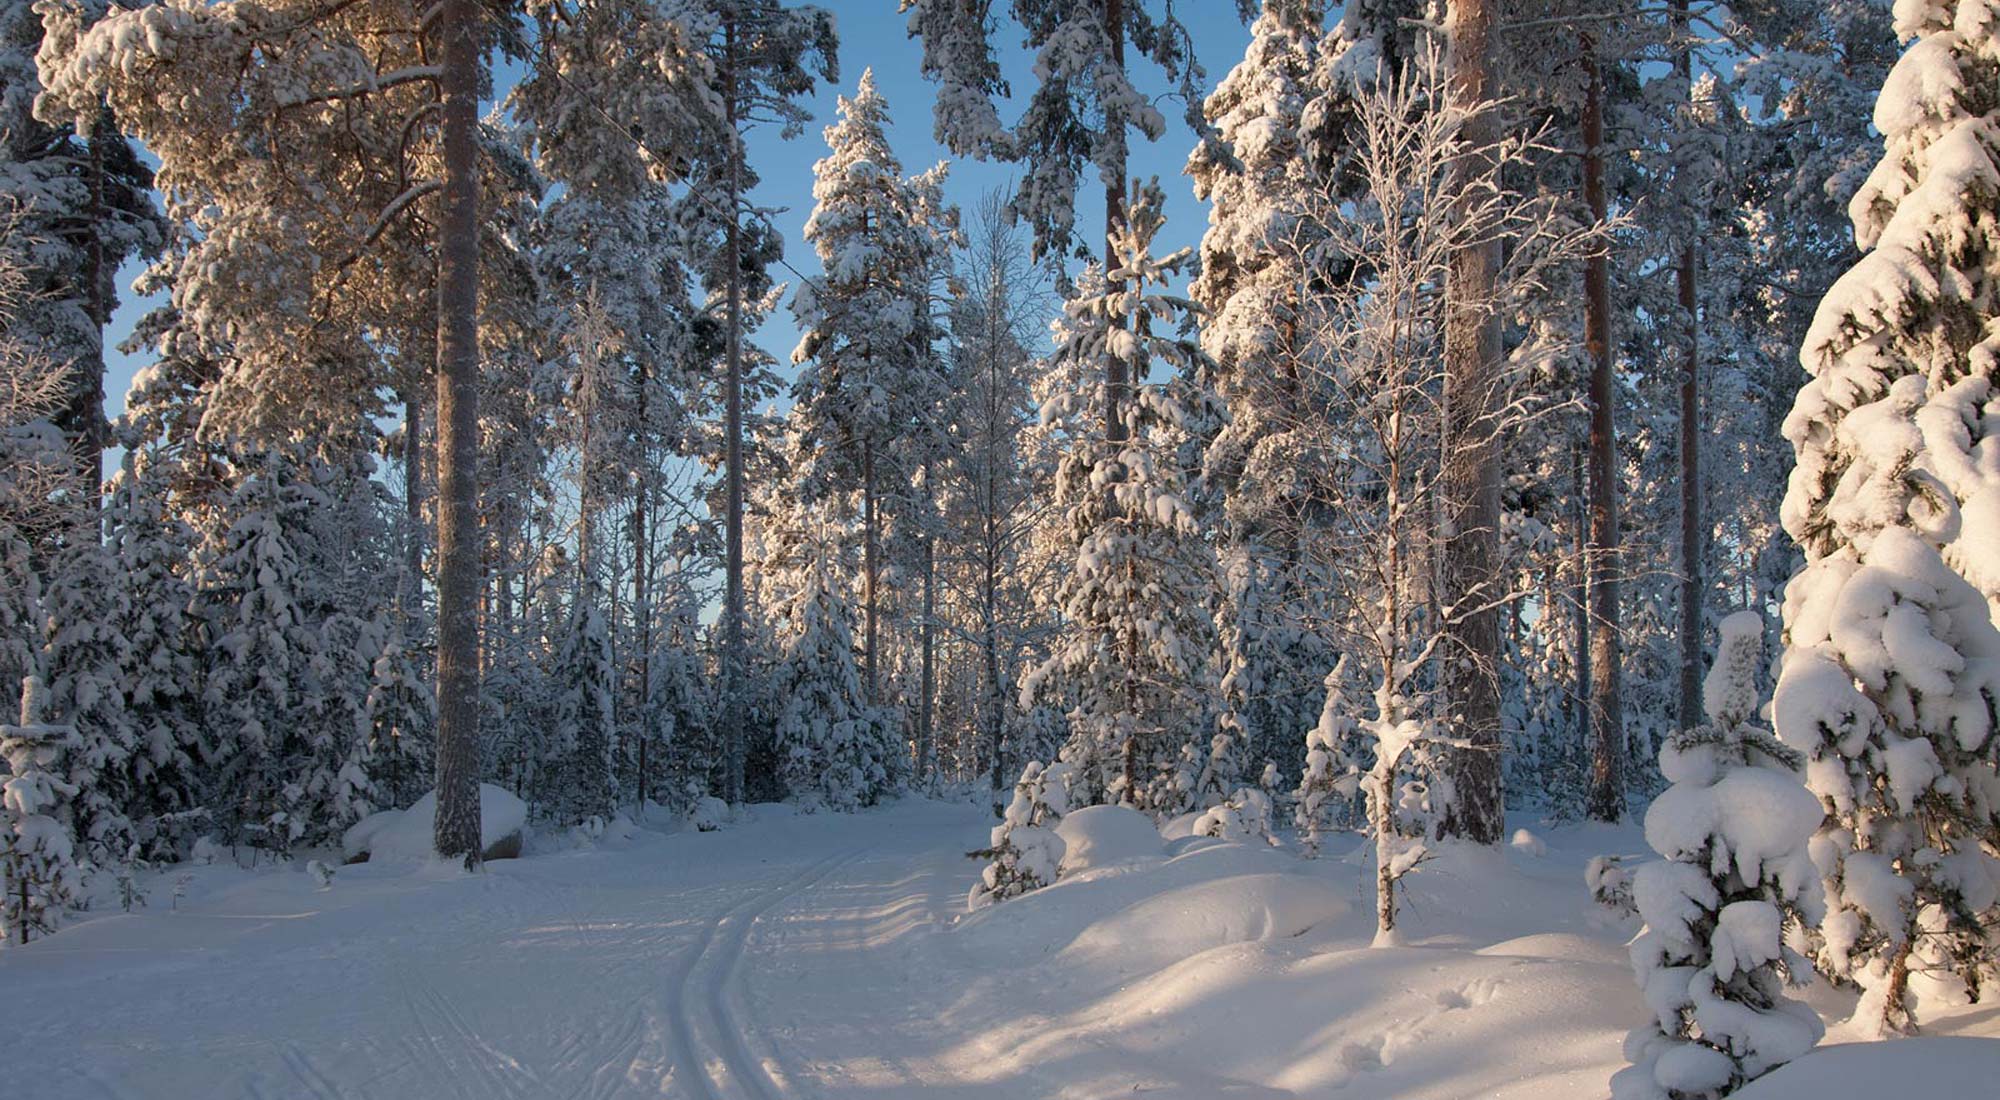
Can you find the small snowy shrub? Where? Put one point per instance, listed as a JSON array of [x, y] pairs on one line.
[[1610, 885], [1025, 852], [1244, 816], [322, 874], [1712, 962], [1331, 778]]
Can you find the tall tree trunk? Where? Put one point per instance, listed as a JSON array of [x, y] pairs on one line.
[[1472, 470], [1115, 380], [83, 417], [410, 589], [456, 829], [1690, 414], [870, 568], [1606, 801], [926, 704], [642, 614], [734, 673], [1579, 698]]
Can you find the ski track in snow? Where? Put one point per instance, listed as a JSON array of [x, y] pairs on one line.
[[708, 1033]]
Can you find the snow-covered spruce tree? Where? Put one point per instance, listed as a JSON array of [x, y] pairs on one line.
[[1733, 830], [834, 748], [37, 851], [152, 546], [1257, 261], [84, 659], [1891, 674], [1133, 660], [1332, 774], [582, 784], [1025, 852], [285, 683]]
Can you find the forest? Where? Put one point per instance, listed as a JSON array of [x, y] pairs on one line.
[[1399, 446]]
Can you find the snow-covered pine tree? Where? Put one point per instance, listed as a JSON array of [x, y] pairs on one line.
[[1891, 674], [870, 382], [1257, 260], [81, 192], [1025, 853], [37, 850], [1133, 662], [1733, 830], [1083, 109]]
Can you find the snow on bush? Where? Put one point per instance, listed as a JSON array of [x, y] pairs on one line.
[[1244, 816], [1025, 853], [1331, 776], [1712, 963], [709, 814], [1892, 676], [1610, 885], [405, 836], [1103, 836]]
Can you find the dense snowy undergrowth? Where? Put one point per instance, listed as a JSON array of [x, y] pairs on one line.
[[832, 956]]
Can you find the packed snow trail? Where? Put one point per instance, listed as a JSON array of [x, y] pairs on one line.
[[617, 971]]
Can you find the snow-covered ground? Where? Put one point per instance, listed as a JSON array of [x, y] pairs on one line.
[[831, 956]]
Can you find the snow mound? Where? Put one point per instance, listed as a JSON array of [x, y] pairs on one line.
[[405, 836], [1201, 916], [1529, 844], [709, 814], [1104, 836], [1924, 1066]]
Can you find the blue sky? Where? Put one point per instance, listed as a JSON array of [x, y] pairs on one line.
[[872, 35]]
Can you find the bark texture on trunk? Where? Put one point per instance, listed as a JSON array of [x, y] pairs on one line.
[[1115, 381], [1690, 417], [1471, 480], [456, 830], [1606, 801], [734, 674]]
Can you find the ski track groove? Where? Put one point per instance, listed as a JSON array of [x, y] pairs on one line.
[[739, 1067]]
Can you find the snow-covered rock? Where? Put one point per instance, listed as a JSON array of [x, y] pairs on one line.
[[406, 835], [1103, 836]]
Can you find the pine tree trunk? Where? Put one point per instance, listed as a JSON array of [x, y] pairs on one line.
[[1690, 416], [870, 565], [1471, 479], [457, 828], [1579, 700], [927, 705], [408, 594], [1115, 380], [1606, 801], [84, 417], [734, 673], [642, 614]]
